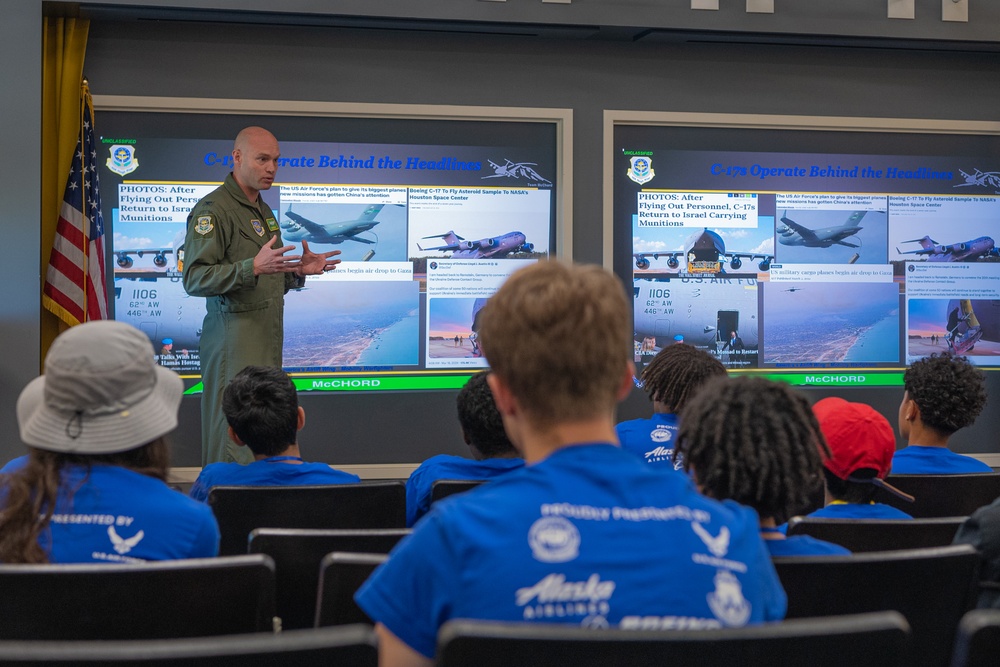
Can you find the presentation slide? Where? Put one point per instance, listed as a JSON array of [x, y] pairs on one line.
[[427, 233], [804, 261]]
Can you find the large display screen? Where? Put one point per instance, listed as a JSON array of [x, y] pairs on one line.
[[826, 258], [431, 216]]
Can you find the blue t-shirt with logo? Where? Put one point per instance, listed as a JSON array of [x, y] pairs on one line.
[[445, 466], [112, 514], [804, 545], [273, 471], [589, 536], [652, 440], [920, 460]]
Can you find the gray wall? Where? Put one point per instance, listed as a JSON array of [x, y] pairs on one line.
[[20, 191], [812, 57]]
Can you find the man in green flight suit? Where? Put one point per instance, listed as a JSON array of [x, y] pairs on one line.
[[233, 256]]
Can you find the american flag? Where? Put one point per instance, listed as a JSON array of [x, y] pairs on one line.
[[75, 284]]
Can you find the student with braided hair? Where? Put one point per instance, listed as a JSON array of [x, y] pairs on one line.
[[944, 393], [756, 442], [670, 379]]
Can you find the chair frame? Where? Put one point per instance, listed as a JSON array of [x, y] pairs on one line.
[[240, 509], [953, 495], [338, 582], [354, 645], [445, 488], [978, 639], [816, 586], [464, 643], [867, 535], [297, 555], [95, 601]]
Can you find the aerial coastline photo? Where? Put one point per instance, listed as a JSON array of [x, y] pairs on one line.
[[825, 323], [327, 327]]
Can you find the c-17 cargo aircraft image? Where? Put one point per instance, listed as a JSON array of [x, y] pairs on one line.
[[497, 246], [956, 252], [124, 261], [160, 309], [298, 228], [791, 233], [704, 246]]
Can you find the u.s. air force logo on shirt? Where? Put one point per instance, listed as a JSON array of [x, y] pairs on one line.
[[204, 224], [554, 539], [718, 545], [257, 227], [124, 544]]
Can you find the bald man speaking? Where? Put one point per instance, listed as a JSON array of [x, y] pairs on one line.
[[234, 256]]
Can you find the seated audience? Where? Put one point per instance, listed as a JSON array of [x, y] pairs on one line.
[[861, 445], [92, 487], [584, 534], [263, 412], [757, 442], [670, 379], [492, 452], [943, 393]]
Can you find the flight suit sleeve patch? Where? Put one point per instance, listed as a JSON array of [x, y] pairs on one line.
[[203, 225]]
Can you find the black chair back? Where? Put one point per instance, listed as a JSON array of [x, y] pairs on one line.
[[867, 640], [297, 555], [932, 588], [348, 645], [978, 641], [340, 577], [182, 598], [861, 535], [942, 495], [443, 488], [240, 509]]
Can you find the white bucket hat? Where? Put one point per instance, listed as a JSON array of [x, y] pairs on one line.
[[101, 393]]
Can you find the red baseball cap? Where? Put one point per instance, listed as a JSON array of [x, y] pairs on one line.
[[858, 436]]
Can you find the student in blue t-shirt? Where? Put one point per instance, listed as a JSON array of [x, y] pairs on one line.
[[757, 442], [861, 445], [91, 488], [671, 378], [263, 412], [491, 449], [943, 393], [584, 534]]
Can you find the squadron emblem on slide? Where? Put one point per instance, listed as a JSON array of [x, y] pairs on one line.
[[122, 160], [641, 170]]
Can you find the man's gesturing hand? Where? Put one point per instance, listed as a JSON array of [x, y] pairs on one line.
[[274, 260], [314, 263]]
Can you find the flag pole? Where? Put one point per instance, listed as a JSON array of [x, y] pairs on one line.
[[84, 223]]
